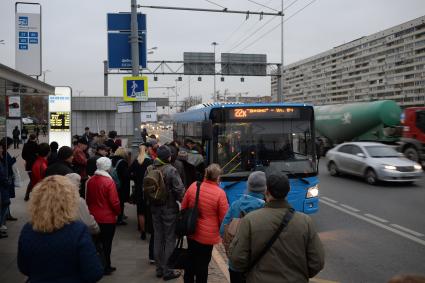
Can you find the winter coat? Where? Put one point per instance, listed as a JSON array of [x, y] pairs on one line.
[[173, 183], [16, 134], [102, 198], [4, 187], [245, 204], [212, 207], [29, 154], [59, 168], [67, 255], [38, 170], [8, 162], [85, 217], [137, 173], [53, 157], [80, 162], [91, 164], [124, 176], [296, 255]]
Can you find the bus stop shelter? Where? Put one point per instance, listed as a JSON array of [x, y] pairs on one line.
[[14, 83]]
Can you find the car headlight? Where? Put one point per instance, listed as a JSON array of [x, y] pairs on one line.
[[417, 167], [390, 167], [313, 192]]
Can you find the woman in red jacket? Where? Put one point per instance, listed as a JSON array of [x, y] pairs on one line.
[[40, 165], [104, 204], [212, 207]]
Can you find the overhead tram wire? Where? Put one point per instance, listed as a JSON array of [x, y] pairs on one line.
[[252, 34], [211, 2], [275, 27], [263, 5]]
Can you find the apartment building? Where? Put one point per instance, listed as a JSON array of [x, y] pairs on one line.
[[385, 65]]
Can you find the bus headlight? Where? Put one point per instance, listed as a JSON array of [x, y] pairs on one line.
[[313, 192]]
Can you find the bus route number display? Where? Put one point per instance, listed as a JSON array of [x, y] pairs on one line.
[[60, 121], [264, 113]]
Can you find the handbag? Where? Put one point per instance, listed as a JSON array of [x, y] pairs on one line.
[[187, 218], [180, 256]]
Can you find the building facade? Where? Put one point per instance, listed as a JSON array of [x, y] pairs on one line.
[[385, 65]]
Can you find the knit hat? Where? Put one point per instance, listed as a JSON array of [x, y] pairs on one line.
[[104, 163], [75, 179], [163, 152], [64, 153], [257, 182]]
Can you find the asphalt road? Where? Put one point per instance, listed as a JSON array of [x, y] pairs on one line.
[[370, 233]]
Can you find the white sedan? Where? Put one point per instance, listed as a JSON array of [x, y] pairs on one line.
[[372, 161]]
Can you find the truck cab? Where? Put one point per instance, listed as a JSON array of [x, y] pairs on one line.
[[413, 141]]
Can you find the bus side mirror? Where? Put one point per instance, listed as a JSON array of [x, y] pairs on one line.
[[207, 130]]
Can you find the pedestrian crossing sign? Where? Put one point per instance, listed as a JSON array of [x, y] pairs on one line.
[[135, 88]]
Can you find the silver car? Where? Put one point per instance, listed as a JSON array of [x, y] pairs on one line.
[[372, 161]]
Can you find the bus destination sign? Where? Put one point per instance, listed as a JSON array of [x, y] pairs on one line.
[[264, 113]]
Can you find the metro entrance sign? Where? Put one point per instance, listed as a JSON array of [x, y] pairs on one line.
[[119, 47]]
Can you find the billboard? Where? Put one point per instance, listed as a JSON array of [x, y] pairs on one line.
[[28, 43], [119, 46], [13, 106], [60, 116], [135, 88], [235, 64], [148, 116], [199, 63]]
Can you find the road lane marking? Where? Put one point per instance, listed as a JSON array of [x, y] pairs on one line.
[[329, 199], [417, 234], [376, 218], [376, 223], [350, 208]]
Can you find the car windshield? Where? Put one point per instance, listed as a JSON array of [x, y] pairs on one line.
[[381, 151], [283, 145]]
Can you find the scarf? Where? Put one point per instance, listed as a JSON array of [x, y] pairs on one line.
[[102, 173]]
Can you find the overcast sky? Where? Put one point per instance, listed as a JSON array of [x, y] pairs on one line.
[[74, 36]]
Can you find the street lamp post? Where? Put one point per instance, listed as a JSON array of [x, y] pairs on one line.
[[44, 75], [214, 44]]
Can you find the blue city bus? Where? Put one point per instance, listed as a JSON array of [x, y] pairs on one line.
[[243, 138]]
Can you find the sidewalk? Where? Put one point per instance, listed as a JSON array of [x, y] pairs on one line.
[[129, 253]]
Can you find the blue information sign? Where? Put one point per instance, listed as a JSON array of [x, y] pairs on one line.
[[119, 47], [122, 22]]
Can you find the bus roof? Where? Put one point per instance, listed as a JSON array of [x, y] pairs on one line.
[[202, 111]]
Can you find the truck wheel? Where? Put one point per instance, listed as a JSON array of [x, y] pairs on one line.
[[333, 169], [411, 153], [370, 177]]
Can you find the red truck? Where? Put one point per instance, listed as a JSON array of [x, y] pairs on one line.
[[412, 144]]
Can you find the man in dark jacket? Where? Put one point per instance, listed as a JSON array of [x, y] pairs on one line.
[[295, 256], [101, 151], [164, 216], [110, 142], [64, 164], [29, 154], [15, 134]]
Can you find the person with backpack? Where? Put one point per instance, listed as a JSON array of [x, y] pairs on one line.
[[252, 200], [104, 204], [212, 206], [121, 175], [274, 243], [163, 187]]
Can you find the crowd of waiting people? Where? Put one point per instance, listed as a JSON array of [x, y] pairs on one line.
[[77, 197]]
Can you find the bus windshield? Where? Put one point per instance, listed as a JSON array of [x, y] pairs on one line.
[[284, 145]]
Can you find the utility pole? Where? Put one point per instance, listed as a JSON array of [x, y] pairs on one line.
[[105, 78], [134, 40], [280, 84], [217, 99]]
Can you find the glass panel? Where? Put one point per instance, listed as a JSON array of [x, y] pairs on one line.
[[284, 145], [381, 151]]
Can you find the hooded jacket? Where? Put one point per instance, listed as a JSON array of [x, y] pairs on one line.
[[246, 203]]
